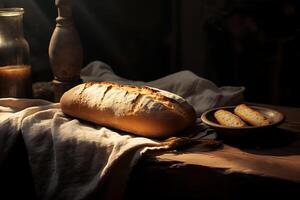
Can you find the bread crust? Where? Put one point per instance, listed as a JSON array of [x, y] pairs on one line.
[[229, 119], [139, 110], [251, 116]]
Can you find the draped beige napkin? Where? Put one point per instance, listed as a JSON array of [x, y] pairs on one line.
[[201, 93], [72, 159]]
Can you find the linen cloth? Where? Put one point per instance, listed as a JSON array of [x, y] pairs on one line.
[[74, 159], [201, 93]]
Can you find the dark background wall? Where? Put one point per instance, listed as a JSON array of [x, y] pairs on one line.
[[254, 43]]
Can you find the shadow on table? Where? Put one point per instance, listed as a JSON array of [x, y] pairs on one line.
[[276, 142], [152, 179]]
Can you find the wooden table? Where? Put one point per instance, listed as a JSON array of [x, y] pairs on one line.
[[263, 169]]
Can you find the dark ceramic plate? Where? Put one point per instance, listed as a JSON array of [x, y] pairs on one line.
[[274, 117]]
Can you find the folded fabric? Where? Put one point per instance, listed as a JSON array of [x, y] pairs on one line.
[[69, 159], [201, 93], [72, 159]]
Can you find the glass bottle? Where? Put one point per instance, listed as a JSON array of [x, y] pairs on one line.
[[15, 70]]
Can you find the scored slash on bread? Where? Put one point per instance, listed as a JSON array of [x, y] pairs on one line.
[[251, 116], [229, 119]]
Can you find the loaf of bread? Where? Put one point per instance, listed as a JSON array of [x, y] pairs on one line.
[[250, 115], [139, 110], [229, 119]]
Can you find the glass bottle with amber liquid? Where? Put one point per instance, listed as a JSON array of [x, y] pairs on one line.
[[15, 70]]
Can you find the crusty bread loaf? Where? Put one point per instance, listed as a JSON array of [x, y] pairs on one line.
[[229, 119], [250, 115], [139, 110]]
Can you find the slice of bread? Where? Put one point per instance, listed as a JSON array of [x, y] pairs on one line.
[[251, 116], [229, 119]]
